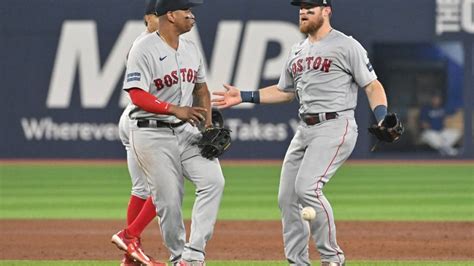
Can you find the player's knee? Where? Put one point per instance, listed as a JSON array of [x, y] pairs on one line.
[[304, 192], [284, 200], [217, 183], [212, 185], [301, 192], [140, 195], [169, 209], [141, 192]]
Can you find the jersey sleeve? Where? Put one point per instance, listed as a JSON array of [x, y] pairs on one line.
[[286, 82], [359, 64], [201, 73], [138, 72]]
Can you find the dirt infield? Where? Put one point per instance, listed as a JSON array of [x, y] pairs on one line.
[[89, 239], [228, 162]]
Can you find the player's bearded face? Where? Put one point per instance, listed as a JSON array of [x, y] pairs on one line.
[[311, 19]]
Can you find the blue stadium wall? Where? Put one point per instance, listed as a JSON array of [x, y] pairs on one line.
[[62, 63]]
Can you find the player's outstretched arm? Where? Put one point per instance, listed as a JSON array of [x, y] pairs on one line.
[[228, 98], [377, 99], [273, 94], [233, 96], [376, 94]]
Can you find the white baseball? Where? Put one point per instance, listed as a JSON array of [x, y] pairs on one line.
[[308, 213]]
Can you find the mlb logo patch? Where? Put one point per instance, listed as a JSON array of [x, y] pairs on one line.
[[369, 67], [135, 76]]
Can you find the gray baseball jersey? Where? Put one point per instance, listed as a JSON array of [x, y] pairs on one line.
[[167, 154], [167, 74], [325, 76]]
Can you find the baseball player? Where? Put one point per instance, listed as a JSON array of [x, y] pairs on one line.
[[323, 72], [140, 211], [165, 72]]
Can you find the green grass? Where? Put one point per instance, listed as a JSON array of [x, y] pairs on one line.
[[424, 192], [237, 263]]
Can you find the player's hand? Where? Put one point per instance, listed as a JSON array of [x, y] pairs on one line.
[[192, 115], [227, 98]]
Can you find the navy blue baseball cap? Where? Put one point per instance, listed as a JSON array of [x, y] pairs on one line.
[[150, 7], [311, 2], [164, 6]]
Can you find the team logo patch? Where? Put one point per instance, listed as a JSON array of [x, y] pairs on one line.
[[135, 76], [369, 67]]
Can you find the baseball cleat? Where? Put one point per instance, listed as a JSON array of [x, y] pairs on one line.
[[190, 263], [132, 246], [326, 263], [129, 261]]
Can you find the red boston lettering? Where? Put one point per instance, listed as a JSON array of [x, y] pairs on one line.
[[317, 62], [168, 81], [299, 65], [174, 74], [190, 75], [326, 65], [159, 84], [184, 74]]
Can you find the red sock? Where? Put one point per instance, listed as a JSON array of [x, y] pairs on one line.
[[146, 215], [135, 205]]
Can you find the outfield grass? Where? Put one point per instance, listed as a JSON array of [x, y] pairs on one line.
[[239, 263], [424, 192]]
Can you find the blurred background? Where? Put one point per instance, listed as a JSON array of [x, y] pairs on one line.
[[61, 68], [62, 65]]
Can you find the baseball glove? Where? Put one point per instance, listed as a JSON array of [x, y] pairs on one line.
[[390, 130], [214, 142], [217, 118]]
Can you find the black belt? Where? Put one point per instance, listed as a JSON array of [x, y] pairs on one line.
[[313, 119], [156, 123]]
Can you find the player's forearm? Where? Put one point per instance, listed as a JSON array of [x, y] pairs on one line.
[[148, 102], [202, 98], [376, 94], [377, 100], [273, 94], [267, 95]]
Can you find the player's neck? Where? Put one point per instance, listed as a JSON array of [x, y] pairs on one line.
[[169, 37], [320, 34]]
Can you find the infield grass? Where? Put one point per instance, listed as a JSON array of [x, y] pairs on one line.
[[421, 192]]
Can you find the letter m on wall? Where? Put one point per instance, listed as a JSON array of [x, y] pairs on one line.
[[78, 52]]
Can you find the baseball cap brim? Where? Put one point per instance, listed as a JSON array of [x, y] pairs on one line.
[[311, 2], [162, 7]]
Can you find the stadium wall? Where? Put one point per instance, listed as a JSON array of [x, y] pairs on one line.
[[62, 64]]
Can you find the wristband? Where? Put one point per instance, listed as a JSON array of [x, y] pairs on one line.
[[250, 96], [380, 111]]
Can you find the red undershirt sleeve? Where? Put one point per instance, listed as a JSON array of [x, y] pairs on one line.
[[148, 102]]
